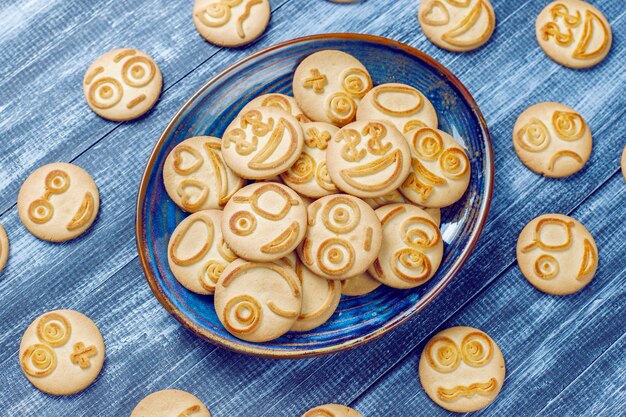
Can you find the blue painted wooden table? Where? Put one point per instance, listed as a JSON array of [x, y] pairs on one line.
[[564, 355]]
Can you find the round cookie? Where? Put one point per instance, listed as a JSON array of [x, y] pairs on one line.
[[196, 177], [197, 253], [320, 296], [401, 105], [360, 285], [440, 170], [231, 22], [309, 175], [122, 84], [170, 403], [332, 410], [258, 302], [573, 33], [62, 352], [552, 139], [262, 142], [557, 254], [412, 247], [58, 202], [280, 101], [328, 86], [343, 238], [4, 248], [264, 221], [395, 197], [462, 369], [368, 159], [624, 163], [457, 25]]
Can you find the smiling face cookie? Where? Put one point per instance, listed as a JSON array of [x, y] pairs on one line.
[[170, 403], [457, 25], [122, 84], [573, 33], [58, 202], [462, 369], [557, 254], [552, 139], [332, 410]]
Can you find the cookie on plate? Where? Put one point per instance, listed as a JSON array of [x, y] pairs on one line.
[[58, 202], [557, 254], [332, 410], [360, 285], [170, 403], [4, 248], [462, 369], [286, 103], [62, 352]]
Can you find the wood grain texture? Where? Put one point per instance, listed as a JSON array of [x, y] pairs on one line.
[[554, 346]]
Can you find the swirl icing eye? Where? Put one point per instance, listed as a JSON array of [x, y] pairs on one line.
[[454, 163], [420, 233], [341, 108], [57, 182], [303, 169], [443, 354], [427, 144], [242, 314], [341, 215], [54, 330], [546, 267], [356, 82], [335, 256], [39, 360], [411, 265], [476, 349], [40, 211], [138, 71], [243, 223], [105, 93], [568, 125], [534, 136]]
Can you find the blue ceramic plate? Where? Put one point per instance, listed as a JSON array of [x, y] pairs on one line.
[[358, 319]]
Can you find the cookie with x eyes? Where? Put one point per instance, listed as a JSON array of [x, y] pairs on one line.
[[58, 202], [368, 159], [170, 403], [4, 248], [359, 285], [280, 101], [332, 410], [328, 86], [262, 142]]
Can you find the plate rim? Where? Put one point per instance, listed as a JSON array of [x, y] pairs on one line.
[[396, 321]]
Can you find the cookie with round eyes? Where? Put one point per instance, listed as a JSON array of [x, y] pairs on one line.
[[440, 170], [196, 177], [286, 103], [262, 142], [231, 22], [328, 86], [4, 248], [360, 285], [557, 254], [332, 410], [309, 175], [401, 105], [320, 296], [122, 84], [573, 33], [58, 202], [343, 238], [552, 139], [62, 352], [462, 369], [264, 221], [170, 403], [368, 159], [412, 247], [197, 253], [256, 301], [457, 25]]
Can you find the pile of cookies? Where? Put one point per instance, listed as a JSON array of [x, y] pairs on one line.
[[345, 184]]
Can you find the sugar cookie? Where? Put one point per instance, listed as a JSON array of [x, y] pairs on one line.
[[258, 302], [552, 139], [309, 175], [557, 254], [332, 410], [462, 369], [368, 159], [457, 25], [122, 84], [328, 86], [343, 238], [262, 142], [58, 202], [4, 248], [197, 253], [440, 170], [285, 103], [573, 33], [624, 163], [231, 22], [196, 177], [62, 352], [412, 247], [401, 105], [170, 403], [360, 285]]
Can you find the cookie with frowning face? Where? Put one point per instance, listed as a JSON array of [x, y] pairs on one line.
[[462, 369], [170, 403]]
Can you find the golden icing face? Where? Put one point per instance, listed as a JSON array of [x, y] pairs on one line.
[[557, 254], [122, 84], [462, 369]]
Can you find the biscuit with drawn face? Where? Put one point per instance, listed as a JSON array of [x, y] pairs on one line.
[[170, 403], [264, 221], [4, 248], [462, 369], [280, 101], [122, 84], [557, 254], [332, 410], [552, 139]]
